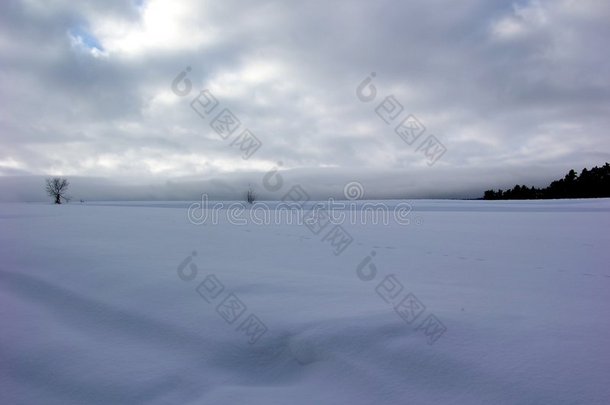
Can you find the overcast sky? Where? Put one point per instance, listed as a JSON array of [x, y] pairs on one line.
[[511, 91]]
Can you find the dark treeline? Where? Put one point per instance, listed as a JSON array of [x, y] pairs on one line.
[[592, 183]]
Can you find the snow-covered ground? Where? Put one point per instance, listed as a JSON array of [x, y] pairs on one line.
[[472, 302]]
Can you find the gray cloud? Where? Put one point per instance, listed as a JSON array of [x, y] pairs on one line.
[[516, 92]]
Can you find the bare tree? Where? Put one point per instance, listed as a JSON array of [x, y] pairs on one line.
[[57, 188], [250, 196]]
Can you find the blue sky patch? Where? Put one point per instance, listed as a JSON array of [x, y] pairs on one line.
[[86, 38]]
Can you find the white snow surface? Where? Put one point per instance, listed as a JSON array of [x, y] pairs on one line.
[[93, 310]]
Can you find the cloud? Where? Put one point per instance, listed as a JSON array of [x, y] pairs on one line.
[[506, 87]]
